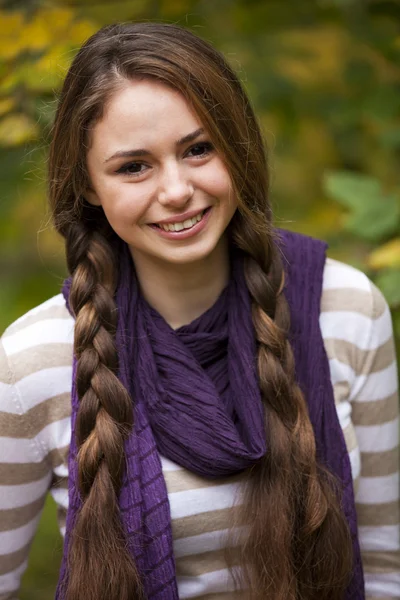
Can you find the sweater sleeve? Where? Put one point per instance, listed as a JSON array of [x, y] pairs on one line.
[[358, 335], [375, 415], [25, 477], [35, 431]]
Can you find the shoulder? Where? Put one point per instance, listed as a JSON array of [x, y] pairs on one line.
[[36, 353], [353, 307], [52, 309], [356, 326], [49, 322]]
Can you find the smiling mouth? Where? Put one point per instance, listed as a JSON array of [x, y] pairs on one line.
[[180, 226]]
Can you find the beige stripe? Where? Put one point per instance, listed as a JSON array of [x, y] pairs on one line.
[[350, 437], [55, 311], [375, 412], [17, 474], [60, 483], [382, 562], [10, 562], [206, 562], [58, 456], [362, 362], [183, 480], [375, 464], [341, 391], [21, 473], [354, 300], [61, 517], [44, 356], [382, 597], [6, 375], [238, 595], [378, 515], [202, 523], [17, 517], [34, 420]]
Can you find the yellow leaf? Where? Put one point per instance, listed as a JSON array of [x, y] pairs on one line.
[[6, 104], [17, 129], [11, 27], [81, 31], [387, 255]]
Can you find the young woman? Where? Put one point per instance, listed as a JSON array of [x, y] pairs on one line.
[[208, 392]]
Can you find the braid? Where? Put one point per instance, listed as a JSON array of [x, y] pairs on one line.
[[105, 418], [293, 502]]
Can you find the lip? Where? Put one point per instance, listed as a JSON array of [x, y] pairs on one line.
[[184, 233], [180, 218]]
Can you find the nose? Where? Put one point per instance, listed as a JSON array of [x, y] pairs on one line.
[[175, 187]]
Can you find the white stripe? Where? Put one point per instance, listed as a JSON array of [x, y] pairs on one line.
[[55, 301], [10, 582], [205, 542], [15, 496], [385, 538], [16, 539], [35, 388], [193, 502], [169, 465], [378, 438], [378, 490], [47, 331], [343, 410], [9, 401], [376, 386], [355, 328], [60, 496], [61, 470], [366, 388], [382, 584], [56, 435], [44, 384], [338, 275], [207, 583], [341, 372], [21, 450], [355, 462]]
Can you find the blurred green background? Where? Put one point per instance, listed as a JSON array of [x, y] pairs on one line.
[[324, 77]]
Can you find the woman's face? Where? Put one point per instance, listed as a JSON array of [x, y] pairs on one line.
[[163, 187]]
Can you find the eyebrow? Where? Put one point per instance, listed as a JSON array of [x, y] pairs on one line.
[[190, 137]]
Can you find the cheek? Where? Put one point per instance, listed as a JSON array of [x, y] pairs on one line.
[[220, 183], [123, 204]]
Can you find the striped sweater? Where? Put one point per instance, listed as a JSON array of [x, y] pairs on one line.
[[35, 430]]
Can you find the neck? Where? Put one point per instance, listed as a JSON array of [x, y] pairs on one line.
[[183, 292]]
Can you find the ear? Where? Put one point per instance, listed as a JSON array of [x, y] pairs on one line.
[[91, 196]]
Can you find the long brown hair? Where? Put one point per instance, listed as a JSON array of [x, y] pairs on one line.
[[296, 543]]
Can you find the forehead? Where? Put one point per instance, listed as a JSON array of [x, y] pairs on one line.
[[143, 112]]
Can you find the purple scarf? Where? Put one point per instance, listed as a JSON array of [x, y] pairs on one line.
[[188, 387]]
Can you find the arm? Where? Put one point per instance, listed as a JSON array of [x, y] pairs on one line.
[[358, 337], [25, 476], [375, 415]]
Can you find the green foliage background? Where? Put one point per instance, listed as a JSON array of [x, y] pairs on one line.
[[324, 77]]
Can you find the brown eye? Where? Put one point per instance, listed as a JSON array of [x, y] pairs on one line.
[[132, 168], [201, 149]]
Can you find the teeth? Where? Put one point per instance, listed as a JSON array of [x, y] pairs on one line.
[[183, 225]]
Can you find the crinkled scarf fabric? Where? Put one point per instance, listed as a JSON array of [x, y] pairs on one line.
[[197, 401]]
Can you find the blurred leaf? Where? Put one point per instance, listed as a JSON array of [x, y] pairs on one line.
[[387, 255], [11, 27], [16, 129], [6, 104], [388, 282], [390, 138], [374, 214]]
